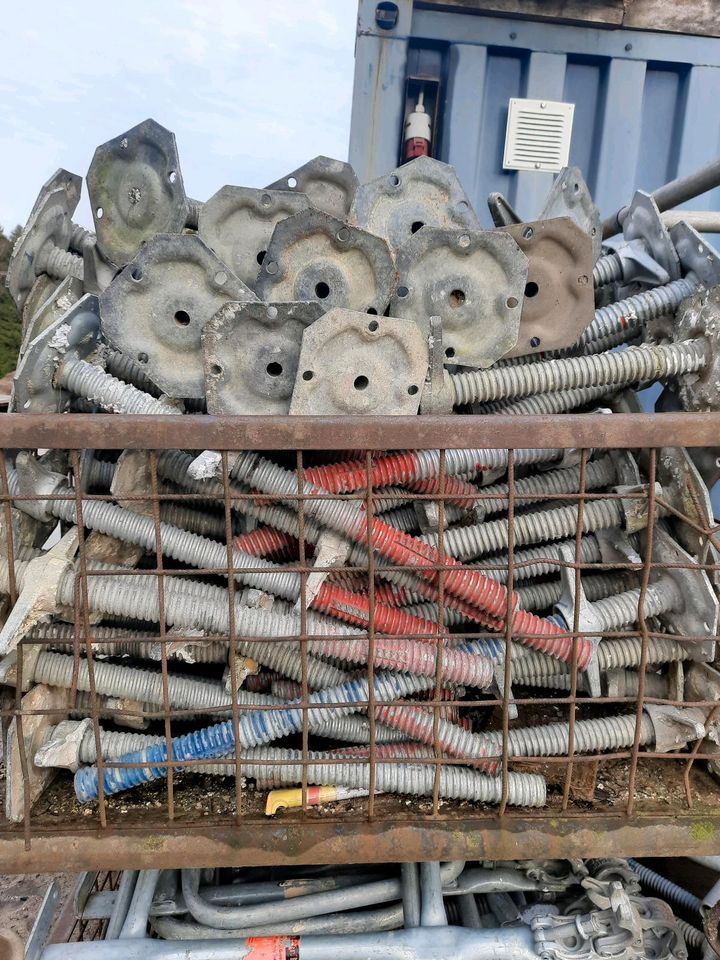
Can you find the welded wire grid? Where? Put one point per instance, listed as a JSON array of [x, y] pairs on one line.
[[71, 928], [226, 499]]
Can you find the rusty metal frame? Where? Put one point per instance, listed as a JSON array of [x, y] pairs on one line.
[[108, 843]]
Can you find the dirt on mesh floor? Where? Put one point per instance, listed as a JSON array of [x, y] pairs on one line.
[[21, 897]]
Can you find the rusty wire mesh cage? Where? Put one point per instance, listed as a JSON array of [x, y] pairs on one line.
[[76, 924], [494, 727]]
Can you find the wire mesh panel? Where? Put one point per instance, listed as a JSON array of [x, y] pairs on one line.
[[264, 640]]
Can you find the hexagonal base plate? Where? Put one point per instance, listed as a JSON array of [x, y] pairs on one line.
[[422, 192], [559, 295], [329, 184], [354, 364], [251, 356], [136, 190], [156, 308], [238, 222], [474, 281], [312, 256]]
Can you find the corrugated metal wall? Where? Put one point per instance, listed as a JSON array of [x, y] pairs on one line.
[[647, 105]]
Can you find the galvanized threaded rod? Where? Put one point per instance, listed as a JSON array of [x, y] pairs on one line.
[[193, 605], [124, 368], [181, 545], [136, 683], [206, 606], [626, 316], [616, 369], [591, 736], [114, 744], [186, 693], [528, 564], [535, 596], [623, 609], [350, 520], [175, 465], [416, 465], [193, 208], [415, 722], [559, 402], [145, 686], [655, 685], [79, 236], [607, 269], [466, 543], [58, 263], [538, 561], [598, 474], [613, 654], [85, 380], [542, 596], [286, 767], [254, 729]]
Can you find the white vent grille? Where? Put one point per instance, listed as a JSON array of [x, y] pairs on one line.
[[538, 135]]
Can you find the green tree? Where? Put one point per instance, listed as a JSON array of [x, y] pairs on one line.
[[10, 329]]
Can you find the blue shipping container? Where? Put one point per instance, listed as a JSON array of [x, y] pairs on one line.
[[647, 104]]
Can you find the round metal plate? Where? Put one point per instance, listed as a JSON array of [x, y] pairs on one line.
[[136, 190], [313, 256], [237, 224], [251, 355], [474, 281], [156, 308]]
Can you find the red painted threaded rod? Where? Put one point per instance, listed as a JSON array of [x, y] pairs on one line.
[[456, 491], [267, 542], [488, 596]]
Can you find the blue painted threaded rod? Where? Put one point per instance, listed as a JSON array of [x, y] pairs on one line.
[[255, 727]]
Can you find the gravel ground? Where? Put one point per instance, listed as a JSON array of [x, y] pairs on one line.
[[22, 895]]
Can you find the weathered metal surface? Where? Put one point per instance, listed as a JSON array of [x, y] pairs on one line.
[[421, 193], [329, 184], [237, 224], [624, 431], [67, 293], [475, 281], [156, 309], [692, 16], [136, 190], [48, 224], [75, 330], [570, 197], [251, 355], [559, 291], [352, 363], [313, 256], [332, 841]]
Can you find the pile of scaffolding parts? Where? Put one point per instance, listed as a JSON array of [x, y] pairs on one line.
[[359, 607], [521, 909]]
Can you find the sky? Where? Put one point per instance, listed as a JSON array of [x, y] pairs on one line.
[[251, 88]]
